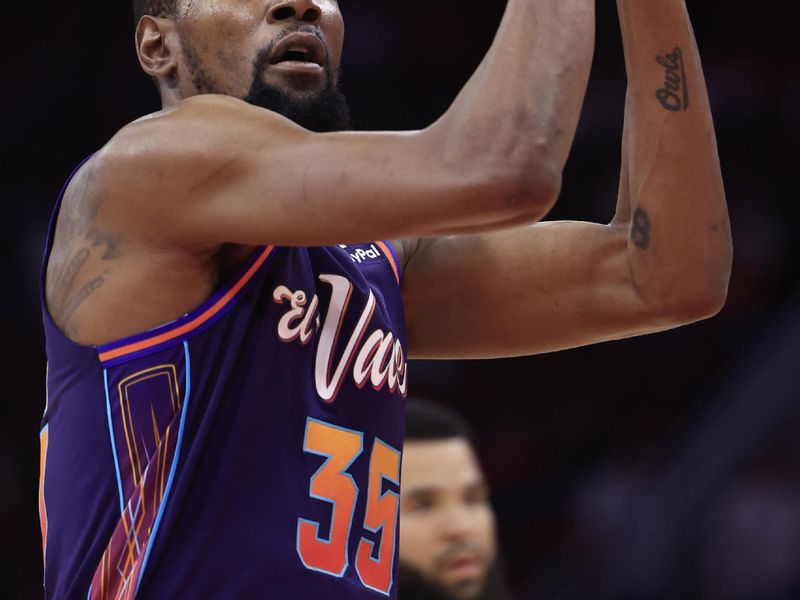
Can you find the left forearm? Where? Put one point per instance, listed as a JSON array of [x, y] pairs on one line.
[[672, 196]]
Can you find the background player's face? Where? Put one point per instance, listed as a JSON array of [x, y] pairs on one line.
[[447, 527]]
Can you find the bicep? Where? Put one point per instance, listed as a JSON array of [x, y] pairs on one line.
[[540, 288], [320, 189], [219, 171]]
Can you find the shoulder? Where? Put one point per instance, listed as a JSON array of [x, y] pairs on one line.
[[197, 117], [139, 176], [170, 149], [187, 125]]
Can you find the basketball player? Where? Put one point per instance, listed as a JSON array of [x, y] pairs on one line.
[[448, 545], [227, 344]]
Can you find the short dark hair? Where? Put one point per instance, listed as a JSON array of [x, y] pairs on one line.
[[154, 8], [428, 421]]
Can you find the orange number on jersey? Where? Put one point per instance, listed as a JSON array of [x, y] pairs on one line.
[[381, 518], [330, 484]]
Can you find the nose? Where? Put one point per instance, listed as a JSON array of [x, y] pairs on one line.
[[457, 524], [299, 10]]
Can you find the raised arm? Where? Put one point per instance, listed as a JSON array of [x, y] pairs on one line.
[[672, 196], [529, 89], [236, 173], [663, 261]]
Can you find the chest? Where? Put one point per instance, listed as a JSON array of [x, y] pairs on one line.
[[342, 315]]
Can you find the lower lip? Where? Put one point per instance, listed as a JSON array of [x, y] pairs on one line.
[[463, 569], [300, 67]]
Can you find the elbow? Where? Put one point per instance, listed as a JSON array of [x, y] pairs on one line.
[[688, 291], [703, 290], [538, 185], [688, 303], [505, 176], [525, 190], [697, 307]]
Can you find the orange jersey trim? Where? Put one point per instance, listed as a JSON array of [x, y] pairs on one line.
[[194, 323], [390, 257], [44, 438]]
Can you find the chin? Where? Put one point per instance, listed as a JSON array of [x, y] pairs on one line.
[[414, 586], [315, 109], [466, 590], [298, 86]]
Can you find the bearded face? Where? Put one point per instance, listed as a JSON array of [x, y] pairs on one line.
[[447, 526], [284, 57]]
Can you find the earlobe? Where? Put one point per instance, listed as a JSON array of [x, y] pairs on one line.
[[154, 47]]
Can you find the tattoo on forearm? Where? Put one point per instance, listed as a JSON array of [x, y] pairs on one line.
[[674, 96], [640, 228]]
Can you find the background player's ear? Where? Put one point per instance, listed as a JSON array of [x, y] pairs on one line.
[[156, 45]]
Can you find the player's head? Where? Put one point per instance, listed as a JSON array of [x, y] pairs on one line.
[[283, 55], [448, 544]]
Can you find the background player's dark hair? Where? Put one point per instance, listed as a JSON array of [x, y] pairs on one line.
[[427, 421], [155, 8]]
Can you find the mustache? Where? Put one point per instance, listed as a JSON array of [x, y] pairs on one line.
[[454, 549]]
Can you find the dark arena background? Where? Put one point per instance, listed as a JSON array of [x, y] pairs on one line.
[[660, 467]]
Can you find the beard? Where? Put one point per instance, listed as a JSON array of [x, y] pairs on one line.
[[413, 585], [319, 111]]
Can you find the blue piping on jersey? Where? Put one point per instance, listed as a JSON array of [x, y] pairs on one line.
[[174, 468], [46, 391], [113, 443], [204, 314]]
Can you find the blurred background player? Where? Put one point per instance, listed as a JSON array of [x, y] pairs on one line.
[[448, 540]]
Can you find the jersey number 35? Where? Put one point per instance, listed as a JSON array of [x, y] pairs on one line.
[[333, 484]]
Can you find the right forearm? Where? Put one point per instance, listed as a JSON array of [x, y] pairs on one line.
[[528, 91], [672, 196]]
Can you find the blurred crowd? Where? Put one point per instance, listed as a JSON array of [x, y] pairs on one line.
[[661, 467]]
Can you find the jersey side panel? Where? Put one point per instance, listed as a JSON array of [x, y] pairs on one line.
[[251, 448]]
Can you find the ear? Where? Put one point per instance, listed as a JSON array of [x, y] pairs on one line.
[[155, 44]]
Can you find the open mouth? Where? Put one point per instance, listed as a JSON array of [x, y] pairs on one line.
[[299, 50]]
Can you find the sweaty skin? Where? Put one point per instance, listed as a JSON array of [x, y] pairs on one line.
[[176, 200]]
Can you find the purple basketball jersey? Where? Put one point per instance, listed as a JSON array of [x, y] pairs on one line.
[[250, 449]]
